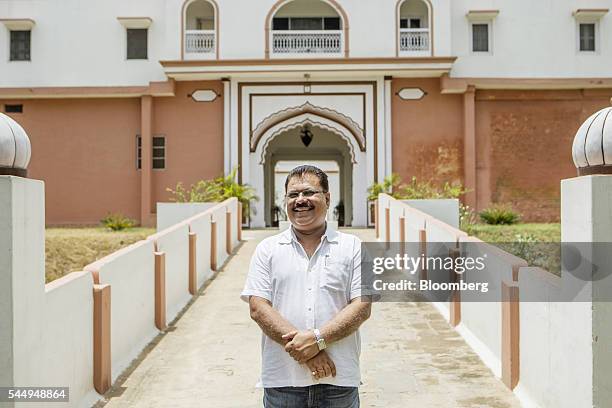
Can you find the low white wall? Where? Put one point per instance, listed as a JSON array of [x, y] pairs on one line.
[[67, 341], [555, 344], [443, 209], [131, 274], [174, 242], [200, 225], [483, 320], [169, 214]]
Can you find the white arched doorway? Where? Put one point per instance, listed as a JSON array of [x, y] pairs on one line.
[[331, 141]]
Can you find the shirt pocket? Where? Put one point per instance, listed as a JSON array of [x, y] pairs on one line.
[[336, 275]]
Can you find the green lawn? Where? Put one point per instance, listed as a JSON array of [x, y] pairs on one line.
[[70, 249], [516, 232], [535, 243]]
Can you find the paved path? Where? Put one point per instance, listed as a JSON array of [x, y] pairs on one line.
[[410, 355]]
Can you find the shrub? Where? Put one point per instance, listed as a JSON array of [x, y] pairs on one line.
[[216, 190], [498, 214], [415, 189], [388, 186], [467, 217], [117, 222], [425, 189]]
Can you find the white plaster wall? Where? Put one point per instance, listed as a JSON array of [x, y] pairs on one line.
[[445, 210], [174, 242], [200, 225], [22, 278], [555, 343], [81, 43], [481, 321], [169, 214], [218, 215], [131, 274], [67, 341], [530, 39]]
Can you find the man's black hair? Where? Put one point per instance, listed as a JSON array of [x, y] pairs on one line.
[[300, 171]]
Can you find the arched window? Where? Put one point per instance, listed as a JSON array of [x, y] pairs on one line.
[[414, 28], [200, 29], [302, 27]]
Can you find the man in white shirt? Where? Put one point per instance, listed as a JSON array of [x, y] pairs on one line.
[[304, 292]]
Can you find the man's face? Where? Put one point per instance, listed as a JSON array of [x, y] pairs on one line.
[[307, 210]]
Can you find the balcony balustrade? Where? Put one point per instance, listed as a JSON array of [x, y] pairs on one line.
[[199, 41], [307, 42], [414, 39]]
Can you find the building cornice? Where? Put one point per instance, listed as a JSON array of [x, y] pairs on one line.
[[450, 85], [286, 67], [157, 89]]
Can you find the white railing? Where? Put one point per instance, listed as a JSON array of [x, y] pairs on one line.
[[307, 42], [199, 41], [414, 39]]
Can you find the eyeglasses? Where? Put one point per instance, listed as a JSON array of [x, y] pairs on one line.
[[292, 195]]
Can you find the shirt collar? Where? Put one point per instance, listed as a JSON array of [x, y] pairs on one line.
[[288, 235]]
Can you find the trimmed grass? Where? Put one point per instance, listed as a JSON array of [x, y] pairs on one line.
[[516, 232], [71, 249], [535, 243]]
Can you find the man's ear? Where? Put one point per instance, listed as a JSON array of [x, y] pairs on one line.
[[327, 198]]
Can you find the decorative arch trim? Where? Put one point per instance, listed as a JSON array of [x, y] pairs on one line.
[[186, 3], [397, 24], [332, 3], [289, 113], [342, 133]]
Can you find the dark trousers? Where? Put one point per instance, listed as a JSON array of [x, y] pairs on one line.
[[314, 396]]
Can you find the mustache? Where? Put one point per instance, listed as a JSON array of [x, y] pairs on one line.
[[302, 205]]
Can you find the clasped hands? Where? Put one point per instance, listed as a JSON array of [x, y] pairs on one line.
[[302, 346]]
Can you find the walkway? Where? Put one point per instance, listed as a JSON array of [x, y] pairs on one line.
[[410, 355]]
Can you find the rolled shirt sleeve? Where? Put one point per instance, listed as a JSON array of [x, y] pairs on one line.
[[259, 281]]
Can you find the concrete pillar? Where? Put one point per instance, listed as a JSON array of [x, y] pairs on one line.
[[22, 279], [146, 135], [586, 216], [469, 145]]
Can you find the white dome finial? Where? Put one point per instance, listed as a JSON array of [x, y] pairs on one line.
[[592, 148], [15, 148]]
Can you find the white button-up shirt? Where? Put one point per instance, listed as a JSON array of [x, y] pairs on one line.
[[307, 293]]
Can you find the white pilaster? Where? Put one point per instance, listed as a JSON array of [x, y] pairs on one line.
[[586, 217], [22, 279], [388, 135], [227, 118]]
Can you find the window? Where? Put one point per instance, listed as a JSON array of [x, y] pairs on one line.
[[587, 37], [13, 108], [137, 43], [158, 150], [20, 45], [280, 23], [331, 23], [306, 23], [480, 37], [410, 23], [138, 152]]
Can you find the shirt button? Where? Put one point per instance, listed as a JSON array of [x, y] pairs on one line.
[[309, 288], [309, 309]]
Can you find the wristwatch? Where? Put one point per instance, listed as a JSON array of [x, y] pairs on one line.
[[320, 340]]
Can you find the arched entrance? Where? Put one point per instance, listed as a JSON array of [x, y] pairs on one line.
[[332, 140], [325, 146]]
